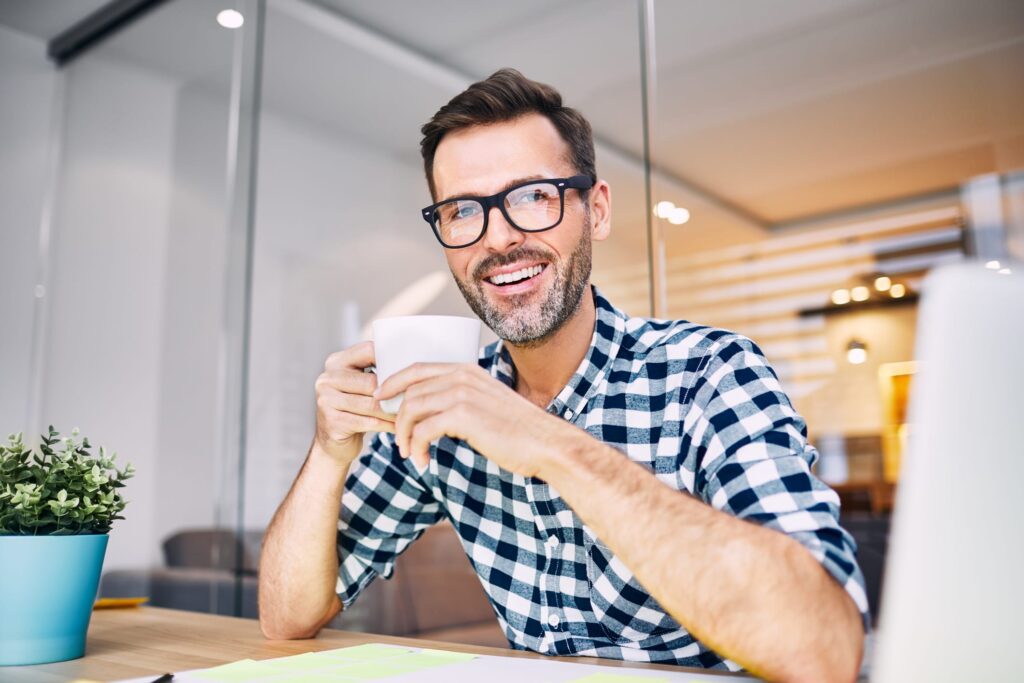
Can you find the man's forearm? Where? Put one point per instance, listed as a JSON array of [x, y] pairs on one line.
[[299, 562], [752, 594]]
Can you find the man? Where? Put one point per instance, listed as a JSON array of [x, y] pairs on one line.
[[624, 487]]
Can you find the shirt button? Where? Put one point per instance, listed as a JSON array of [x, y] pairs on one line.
[[552, 542], [568, 415], [554, 621]]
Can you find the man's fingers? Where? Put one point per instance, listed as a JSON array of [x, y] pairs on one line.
[[374, 424], [333, 400], [421, 401], [347, 425], [355, 357], [417, 372], [347, 381], [424, 433]]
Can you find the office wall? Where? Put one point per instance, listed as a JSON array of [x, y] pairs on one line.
[[27, 84], [104, 343], [107, 369], [134, 355]]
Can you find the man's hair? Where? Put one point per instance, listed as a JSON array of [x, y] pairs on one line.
[[503, 96]]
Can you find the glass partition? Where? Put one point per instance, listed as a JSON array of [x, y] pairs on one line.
[[145, 268], [819, 150]]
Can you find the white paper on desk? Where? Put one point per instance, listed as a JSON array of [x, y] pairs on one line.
[[494, 669]]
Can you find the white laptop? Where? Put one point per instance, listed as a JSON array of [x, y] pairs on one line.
[[953, 608]]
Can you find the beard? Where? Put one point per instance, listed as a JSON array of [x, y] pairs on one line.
[[526, 324]]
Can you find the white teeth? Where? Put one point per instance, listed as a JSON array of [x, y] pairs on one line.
[[516, 276]]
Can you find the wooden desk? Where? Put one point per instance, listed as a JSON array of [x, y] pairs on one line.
[[142, 641]]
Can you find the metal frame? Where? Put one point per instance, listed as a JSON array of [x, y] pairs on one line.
[[105, 21]]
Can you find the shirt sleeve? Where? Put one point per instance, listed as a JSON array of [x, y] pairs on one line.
[[747, 452], [385, 507]]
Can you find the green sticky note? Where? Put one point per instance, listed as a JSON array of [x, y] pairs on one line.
[[236, 672], [447, 655], [618, 678], [365, 653], [303, 662]]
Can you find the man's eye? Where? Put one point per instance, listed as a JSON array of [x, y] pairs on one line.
[[529, 196], [466, 210]]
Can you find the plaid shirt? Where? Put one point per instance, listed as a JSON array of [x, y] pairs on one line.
[[699, 407]]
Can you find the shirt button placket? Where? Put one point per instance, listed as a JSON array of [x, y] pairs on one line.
[[554, 569]]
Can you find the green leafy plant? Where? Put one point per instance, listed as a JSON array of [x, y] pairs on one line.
[[61, 490]]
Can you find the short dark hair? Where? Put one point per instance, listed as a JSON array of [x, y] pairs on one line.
[[503, 96]]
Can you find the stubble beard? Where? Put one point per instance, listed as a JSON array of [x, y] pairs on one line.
[[527, 324]]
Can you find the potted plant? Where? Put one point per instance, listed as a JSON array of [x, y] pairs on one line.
[[56, 507]]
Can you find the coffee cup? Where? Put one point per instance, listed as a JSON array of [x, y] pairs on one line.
[[402, 341]]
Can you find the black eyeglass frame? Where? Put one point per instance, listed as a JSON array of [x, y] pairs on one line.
[[576, 182]]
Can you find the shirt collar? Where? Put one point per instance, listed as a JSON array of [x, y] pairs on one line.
[[609, 329]]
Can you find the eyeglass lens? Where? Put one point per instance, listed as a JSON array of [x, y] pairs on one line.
[[537, 206]]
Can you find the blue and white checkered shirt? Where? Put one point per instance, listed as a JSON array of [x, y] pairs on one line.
[[699, 407]]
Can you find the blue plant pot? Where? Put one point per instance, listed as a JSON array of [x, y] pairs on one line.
[[47, 589]]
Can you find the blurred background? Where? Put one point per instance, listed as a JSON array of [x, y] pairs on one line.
[[199, 206]]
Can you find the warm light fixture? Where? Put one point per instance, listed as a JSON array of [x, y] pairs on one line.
[[229, 18], [860, 293], [840, 297], [663, 209], [678, 216], [856, 352], [882, 284], [897, 291], [992, 265]]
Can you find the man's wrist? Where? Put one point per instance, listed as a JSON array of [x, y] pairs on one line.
[[326, 464], [563, 449]]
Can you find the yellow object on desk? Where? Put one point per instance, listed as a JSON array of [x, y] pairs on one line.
[[115, 603]]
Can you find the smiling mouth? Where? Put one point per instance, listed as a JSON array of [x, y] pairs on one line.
[[515, 277]]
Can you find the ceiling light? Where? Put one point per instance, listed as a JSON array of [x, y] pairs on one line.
[[992, 265], [1003, 271], [882, 284], [229, 18], [856, 352], [663, 209], [897, 291], [840, 297], [860, 293], [678, 216]]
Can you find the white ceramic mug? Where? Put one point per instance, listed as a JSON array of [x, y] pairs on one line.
[[400, 342]]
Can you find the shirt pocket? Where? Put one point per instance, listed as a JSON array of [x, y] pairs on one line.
[[628, 615]]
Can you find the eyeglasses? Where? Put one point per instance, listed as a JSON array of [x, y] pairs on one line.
[[532, 206]]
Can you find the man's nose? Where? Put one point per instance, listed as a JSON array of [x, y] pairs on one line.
[[500, 235]]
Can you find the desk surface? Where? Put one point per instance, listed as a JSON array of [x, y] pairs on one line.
[[139, 641]]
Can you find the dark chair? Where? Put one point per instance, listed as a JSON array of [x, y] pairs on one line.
[[871, 532], [434, 594]]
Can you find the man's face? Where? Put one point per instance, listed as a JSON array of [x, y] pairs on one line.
[[483, 160]]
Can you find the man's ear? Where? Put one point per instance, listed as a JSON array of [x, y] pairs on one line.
[[600, 198]]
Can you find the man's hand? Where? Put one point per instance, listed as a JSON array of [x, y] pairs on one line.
[[462, 401], [299, 560], [345, 407]]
